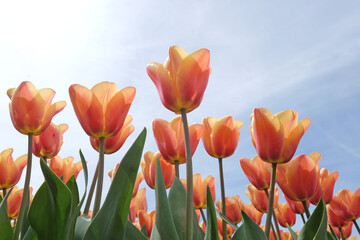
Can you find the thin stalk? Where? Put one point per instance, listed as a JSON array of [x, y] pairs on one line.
[[100, 177], [303, 218], [271, 200], [306, 209], [129, 215], [189, 178], [273, 230], [274, 219], [357, 226], [223, 201], [91, 191], [341, 234], [177, 169], [4, 192], [26, 193], [203, 215]]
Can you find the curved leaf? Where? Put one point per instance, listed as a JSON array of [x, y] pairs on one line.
[[132, 233], [82, 224], [5, 226], [249, 229], [212, 231], [293, 234], [30, 234]]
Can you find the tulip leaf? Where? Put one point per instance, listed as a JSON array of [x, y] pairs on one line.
[[131, 232], [212, 231], [293, 234], [50, 209], [144, 231], [71, 184], [25, 223], [5, 226], [82, 224], [30, 234], [234, 226], [249, 229], [110, 222], [177, 202], [333, 234], [316, 225]]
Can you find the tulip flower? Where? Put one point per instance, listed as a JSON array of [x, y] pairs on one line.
[[346, 204], [138, 180], [259, 199], [148, 165], [113, 144], [326, 187], [31, 110], [345, 231], [182, 80], [257, 171], [296, 206], [251, 211], [148, 219], [333, 219], [48, 143], [65, 167], [13, 201], [229, 230], [138, 203], [200, 188], [285, 215], [10, 171], [233, 208]]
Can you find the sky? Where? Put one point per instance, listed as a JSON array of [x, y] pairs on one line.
[[278, 55]]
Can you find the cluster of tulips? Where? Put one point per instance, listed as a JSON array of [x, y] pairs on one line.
[[54, 211]]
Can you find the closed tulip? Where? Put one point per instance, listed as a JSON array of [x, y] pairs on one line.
[[102, 109], [345, 230], [113, 144], [10, 171], [147, 219], [148, 165], [65, 167], [138, 203], [296, 206], [257, 171], [138, 180], [14, 200], [229, 230], [31, 110], [221, 136], [259, 199], [251, 211], [276, 137], [285, 215], [182, 80], [200, 189], [326, 187], [169, 137], [346, 204], [48, 143], [333, 219], [233, 208]]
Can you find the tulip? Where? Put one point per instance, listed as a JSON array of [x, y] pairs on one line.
[[13, 201], [259, 199], [229, 230], [138, 203], [285, 215], [345, 231], [221, 136], [257, 171], [48, 143], [148, 165], [251, 211], [113, 144], [65, 167], [31, 110], [138, 180], [10, 171], [326, 187], [346, 204], [233, 208], [333, 219], [148, 219], [296, 206], [182, 80]]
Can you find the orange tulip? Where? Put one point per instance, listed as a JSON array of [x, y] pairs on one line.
[[326, 187], [333, 219], [259, 199], [138, 180], [257, 171], [346, 230], [148, 219], [148, 165], [271, 235], [229, 230], [102, 109], [138, 203], [298, 179], [276, 137], [49, 142], [65, 167], [251, 211], [10, 171], [296, 206], [113, 144], [285, 215], [31, 110], [14, 200], [221, 136], [200, 188], [169, 137], [233, 208], [346, 204], [182, 80]]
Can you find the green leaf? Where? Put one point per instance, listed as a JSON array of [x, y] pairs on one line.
[[144, 230], [333, 234], [82, 224], [132, 233], [249, 229], [30, 234], [177, 202], [110, 222], [316, 225], [25, 223], [212, 231], [164, 227], [71, 184], [234, 226], [293, 234], [50, 209], [5, 226]]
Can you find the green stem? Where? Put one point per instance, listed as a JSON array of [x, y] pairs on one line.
[[26, 193], [100, 177], [271, 200], [273, 230], [177, 169], [4, 192], [357, 226], [223, 201], [274, 219], [189, 179], [203, 215], [91, 191], [303, 218], [306, 209], [341, 234]]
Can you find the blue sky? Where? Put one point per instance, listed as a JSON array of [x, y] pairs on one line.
[[278, 55]]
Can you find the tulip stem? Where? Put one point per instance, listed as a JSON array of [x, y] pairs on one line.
[[341, 234], [100, 177], [273, 230], [306, 209], [26, 193], [274, 219], [4, 192], [223, 201], [203, 215], [303, 218], [91, 191], [271, 200], [357, 226], [177, 169], [189, 178]]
